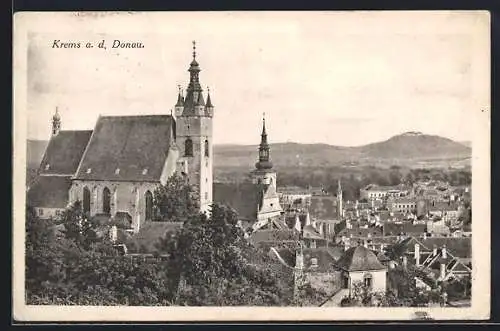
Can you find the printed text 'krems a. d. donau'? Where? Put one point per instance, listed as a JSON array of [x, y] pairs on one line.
[[101, 44]]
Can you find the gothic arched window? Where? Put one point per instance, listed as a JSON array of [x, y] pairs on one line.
[[148, 198], [106, 201], [188, 147], [206, 148], [86, 200]]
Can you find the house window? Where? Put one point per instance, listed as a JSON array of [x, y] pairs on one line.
[[86, 200], [188, 147], [148, 197], [206, 148], [368, 280], [106, 201], [345, 281]]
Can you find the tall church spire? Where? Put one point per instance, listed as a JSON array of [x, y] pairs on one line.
[[194, 102], [264, 161], [194, 70], [56, 123]]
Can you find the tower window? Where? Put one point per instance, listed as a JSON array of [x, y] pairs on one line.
[[206, 149], [188, 147], [148, 205], [106, 201], [86, 200]]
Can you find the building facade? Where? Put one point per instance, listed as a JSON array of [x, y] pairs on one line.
[[116, 168]]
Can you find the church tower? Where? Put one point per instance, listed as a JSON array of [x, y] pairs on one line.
[[56, 123], [264, 173], [194, 134], [264, 178]]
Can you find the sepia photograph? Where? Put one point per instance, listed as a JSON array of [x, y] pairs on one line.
[[196, 166]]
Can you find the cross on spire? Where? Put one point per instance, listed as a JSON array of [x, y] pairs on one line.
[[194, 50]]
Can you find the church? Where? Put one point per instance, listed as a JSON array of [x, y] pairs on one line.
[[114, 168]]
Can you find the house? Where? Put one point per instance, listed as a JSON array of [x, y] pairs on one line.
[[404, 228], [373, 191], [313, 266], [440, 258], [360, 265], [403, 205]]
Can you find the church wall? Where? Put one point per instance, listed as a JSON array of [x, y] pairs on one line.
[[125, 197], [170, 165]]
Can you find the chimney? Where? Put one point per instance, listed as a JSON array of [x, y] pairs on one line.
[[405, 261], [365, 244], [417, 255], [442, 270], [391, 264], [444, 254], [434, 250]]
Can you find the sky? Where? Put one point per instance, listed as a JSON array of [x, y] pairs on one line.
[[344, 78]]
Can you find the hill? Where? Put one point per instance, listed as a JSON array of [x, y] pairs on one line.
[[410, 149]]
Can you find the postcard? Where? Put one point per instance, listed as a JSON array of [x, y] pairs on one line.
[[251, 166]]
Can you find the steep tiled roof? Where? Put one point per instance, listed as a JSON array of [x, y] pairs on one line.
[[64, 152], [325, 261], [459, 247], [310, 232], [272, 236], [361, 232], [443, 206], [130, 144], [242, 197], [359, 258], [394, 229], [50, 192], [323, 207]]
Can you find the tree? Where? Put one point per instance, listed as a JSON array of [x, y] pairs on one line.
[[211, 263], [175, 201], [67, 264], [79, 228]]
